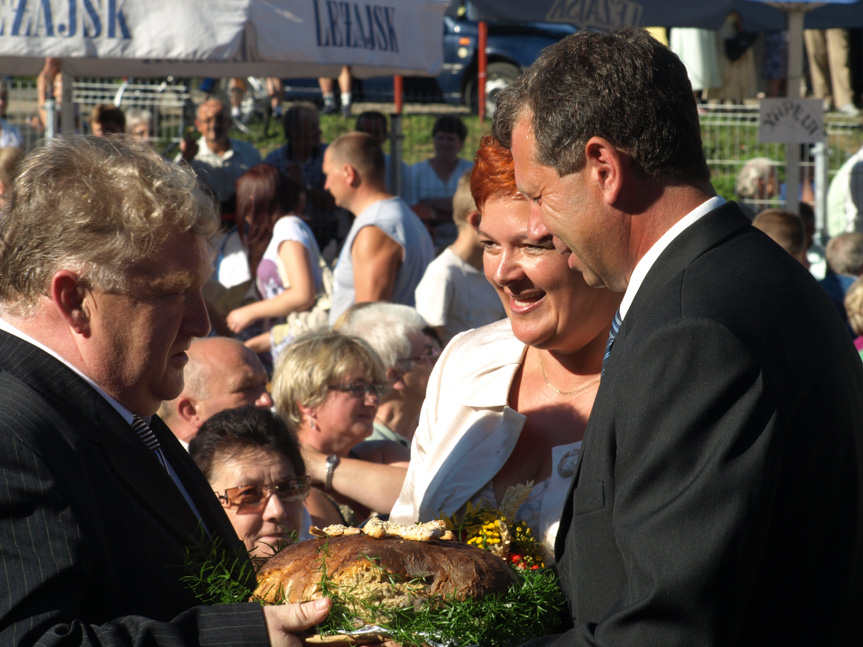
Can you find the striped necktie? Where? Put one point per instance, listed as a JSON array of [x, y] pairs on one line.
[[146, 434], [615, 328]]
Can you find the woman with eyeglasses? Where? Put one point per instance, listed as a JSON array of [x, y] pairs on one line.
[[254, 465], [508, 403], [327, 387], [399, 336]]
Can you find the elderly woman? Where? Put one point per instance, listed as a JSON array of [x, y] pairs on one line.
[[327, 387], [139, 124], [508, 404], [396, 332], [253, 464]]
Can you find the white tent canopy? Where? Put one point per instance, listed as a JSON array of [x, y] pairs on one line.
[[152, 38]]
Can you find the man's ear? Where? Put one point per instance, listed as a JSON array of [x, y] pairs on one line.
[[352, 176], [473, 219], [188, 411], [606, 167], [68, 297]]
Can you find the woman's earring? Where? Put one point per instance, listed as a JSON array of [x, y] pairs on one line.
[[312, 424]]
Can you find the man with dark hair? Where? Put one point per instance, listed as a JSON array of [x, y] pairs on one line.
[[302, 157], [107, 119], [100, 506], [388, 248], [375, 124], [717, 500]]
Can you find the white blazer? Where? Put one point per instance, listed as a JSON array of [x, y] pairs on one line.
[[467, 432]]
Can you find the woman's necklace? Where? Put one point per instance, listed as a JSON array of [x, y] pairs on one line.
[[583, 387]]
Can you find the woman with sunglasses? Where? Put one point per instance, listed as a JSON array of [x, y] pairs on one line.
[[254, 465], [327, 386]]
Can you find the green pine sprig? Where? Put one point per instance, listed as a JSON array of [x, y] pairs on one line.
[[216, 576]]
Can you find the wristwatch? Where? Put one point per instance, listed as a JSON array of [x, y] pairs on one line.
[[332, 463]]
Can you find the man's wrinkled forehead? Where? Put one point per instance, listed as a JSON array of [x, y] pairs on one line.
[[180, 262]]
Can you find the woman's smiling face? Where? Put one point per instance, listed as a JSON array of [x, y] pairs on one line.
[[549, 305]]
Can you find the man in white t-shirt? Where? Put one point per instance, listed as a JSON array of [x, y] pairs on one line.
[[454, 294], [388, 247]]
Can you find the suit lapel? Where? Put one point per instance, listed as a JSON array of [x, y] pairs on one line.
[[139, 469], [708, 232], [196, 484], [135, 466], [705, 234]]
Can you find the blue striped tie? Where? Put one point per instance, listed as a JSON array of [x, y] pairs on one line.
[[615, 328], [146, 434]]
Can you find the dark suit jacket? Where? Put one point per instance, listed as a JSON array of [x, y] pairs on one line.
[[718, 496], [93, 531]]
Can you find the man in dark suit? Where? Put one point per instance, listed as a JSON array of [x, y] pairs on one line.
[[718, 496], [103, 252]]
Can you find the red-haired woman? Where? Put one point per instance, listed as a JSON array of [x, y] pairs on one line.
[[283, 255], [507, 404]]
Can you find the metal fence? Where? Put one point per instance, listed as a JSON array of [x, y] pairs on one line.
[[168, 102], [729, 133], [730, 138]]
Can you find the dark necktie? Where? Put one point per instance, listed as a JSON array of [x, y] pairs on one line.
[[146, 434], [615, 328]]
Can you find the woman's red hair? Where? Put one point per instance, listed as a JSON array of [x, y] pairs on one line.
[[493, 174]]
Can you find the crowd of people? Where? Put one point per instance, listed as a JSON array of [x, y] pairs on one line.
[[194, 357]]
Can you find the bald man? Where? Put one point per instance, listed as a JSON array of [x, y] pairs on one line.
[[221, 374], [388, 247]]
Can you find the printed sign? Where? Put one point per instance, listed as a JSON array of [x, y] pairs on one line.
[[791, 121], [151, 38]]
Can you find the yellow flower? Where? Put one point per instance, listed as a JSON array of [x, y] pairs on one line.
[[488, 528]]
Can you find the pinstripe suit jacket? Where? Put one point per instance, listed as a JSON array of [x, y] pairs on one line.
[[93, 532]]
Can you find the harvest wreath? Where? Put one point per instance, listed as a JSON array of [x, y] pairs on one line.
[[400, 582], [429, 588]]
